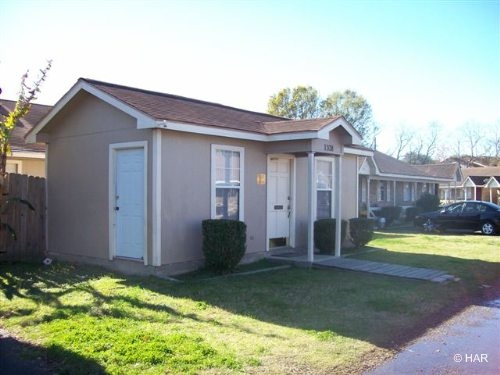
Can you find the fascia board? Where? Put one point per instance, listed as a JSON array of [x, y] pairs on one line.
[[28, 154], [207, 130], [355, 151], [469, 183], [413, 178], [324, 133], [492, 183], [231, 133], [143, 121]]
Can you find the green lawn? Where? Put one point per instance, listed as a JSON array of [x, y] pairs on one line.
[[86, 320]]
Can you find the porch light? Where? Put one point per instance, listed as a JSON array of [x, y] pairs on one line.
[[261, 179]]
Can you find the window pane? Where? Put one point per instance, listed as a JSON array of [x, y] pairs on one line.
[[227, 203], [324, 204], [227, 168], [323, 174]]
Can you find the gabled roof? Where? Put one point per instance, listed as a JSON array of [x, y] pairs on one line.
[[481, 171], [391, 166], [478, 180], [445, 170], [17, 141], [493, 182], [161, 106], [159, 110]]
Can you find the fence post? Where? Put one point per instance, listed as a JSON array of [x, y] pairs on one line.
[[28, 225]]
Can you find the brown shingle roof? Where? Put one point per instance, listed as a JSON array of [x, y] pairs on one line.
[[36, 113], [161, 106], [447, 170], [481, 171], [390, 165]]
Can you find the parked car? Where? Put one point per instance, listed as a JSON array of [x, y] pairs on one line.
[[467, 216]]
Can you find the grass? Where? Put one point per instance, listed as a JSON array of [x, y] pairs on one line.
[[86, 320]]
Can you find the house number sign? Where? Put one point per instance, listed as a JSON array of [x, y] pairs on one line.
[[328, 147]]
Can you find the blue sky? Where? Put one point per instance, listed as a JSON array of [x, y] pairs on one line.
[[414, 61]]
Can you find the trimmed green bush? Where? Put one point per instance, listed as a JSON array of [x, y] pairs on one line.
[[428, 202], [324, 234], [224, 244], [361, 230], [390, 213]]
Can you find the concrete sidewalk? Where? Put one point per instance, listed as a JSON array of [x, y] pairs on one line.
[[329, 261]]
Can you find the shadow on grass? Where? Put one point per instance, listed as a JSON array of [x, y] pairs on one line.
[[385, 311], [18, 357]]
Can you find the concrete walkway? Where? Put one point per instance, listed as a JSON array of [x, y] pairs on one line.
[[328, 261]]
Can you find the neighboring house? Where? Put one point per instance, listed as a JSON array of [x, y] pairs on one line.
[[449, 190], [386, 181], [132, 174], [25, 158], [475, 183], [482, 184]]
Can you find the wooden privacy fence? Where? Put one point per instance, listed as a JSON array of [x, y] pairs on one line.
[[28, 225]]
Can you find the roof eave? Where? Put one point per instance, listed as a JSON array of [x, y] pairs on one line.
[[413, 177], [143, 121], [234, 133]]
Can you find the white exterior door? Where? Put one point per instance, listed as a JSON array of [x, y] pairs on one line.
[[129, 203], [279, 198]]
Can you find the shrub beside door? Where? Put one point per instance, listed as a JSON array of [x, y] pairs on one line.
[[324, 235], [224, 244]]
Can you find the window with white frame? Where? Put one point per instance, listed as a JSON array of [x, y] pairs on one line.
[[227, 182], [382, 190], [324, 188], [408, 192]]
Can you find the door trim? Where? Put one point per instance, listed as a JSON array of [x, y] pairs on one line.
[[291, 158], [113, 149]]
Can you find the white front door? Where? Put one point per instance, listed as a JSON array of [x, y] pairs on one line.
[[129, 203], [279, 201]]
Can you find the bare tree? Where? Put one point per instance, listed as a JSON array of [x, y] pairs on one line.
[[472, 134], [431, 140], [493, 141], [404, 136], [422, 146]]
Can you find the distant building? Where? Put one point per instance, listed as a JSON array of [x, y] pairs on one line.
[[25, 158]]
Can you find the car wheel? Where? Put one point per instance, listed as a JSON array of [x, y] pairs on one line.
[[487, 228]]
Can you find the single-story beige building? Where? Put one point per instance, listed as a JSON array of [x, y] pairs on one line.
[[25, 158], [132, 173], [386, 181]]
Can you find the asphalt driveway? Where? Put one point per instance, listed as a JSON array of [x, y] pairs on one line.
[[468, 343]]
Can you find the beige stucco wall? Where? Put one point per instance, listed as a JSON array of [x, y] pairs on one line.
[[348, 194], [349, 189], [79, 139], [78, 158], [186, 189], [29, 166]]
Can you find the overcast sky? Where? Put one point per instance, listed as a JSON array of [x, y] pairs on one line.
[[414, 61]]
